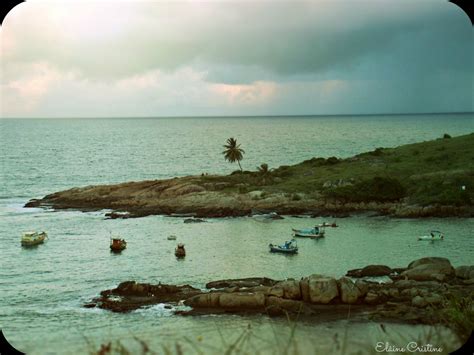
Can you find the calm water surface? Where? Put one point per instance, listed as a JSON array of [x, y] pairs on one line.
[[42, 289]]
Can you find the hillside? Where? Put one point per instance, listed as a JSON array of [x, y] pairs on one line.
[[433, 178]]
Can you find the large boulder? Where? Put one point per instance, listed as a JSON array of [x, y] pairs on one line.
[[319, 289], [372, 298], [204, 300], [419, 302], [465, 272], [242, 300], [279, 304], [362, 286], [376, 270], [348, 290], [290, 289], [429, 260], [426, 269]]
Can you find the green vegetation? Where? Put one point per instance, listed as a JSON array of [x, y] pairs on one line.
[[265, 174], [233, 153], [458, 313], [440, 171], [378, 189], [247, 341]]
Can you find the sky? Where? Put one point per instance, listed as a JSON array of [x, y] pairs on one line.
[[232, 58]]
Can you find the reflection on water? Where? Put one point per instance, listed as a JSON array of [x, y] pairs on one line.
[[44, 288]]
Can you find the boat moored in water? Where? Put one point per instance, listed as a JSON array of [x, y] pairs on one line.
[[180, 252], [316, 232], [290, 247], [434, 235], [326, 224], [117, 244], [33, 238]]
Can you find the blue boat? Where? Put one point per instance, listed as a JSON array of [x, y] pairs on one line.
[[316, 232], [290, 247]]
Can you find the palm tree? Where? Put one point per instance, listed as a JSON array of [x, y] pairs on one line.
[[264, 172], [263, 169], [233, 152]]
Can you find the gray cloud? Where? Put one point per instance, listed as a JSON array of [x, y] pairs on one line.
[[391, 55]]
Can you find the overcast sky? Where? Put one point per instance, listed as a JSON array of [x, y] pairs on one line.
[[195, 58]]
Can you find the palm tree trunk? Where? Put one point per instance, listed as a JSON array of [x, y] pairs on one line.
[[238, 161]]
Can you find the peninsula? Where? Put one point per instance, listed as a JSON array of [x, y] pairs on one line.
[[432, 178]]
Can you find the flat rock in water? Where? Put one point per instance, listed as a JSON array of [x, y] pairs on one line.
[[370, 270], [194, 220], [247, 282]]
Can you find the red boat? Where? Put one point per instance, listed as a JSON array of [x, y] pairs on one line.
[[180, 252], [117, 245]]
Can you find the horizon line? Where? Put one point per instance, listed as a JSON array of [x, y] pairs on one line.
[[252, 116]]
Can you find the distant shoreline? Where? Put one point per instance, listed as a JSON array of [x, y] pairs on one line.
[[252, 116], [428, 179]]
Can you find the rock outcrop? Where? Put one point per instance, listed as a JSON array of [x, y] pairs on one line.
[[417, 298], [370, 270], [426, 269]]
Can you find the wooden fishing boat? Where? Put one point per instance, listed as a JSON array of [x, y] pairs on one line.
[[117, 244], [29, 239], [326, 224], [180, 252], [316, 232], [290, 247]]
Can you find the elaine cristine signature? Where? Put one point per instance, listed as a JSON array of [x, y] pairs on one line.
[[411, 347]]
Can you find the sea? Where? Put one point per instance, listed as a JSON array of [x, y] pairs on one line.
[[43, 289]]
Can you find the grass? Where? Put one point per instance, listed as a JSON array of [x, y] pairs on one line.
[[432, 172], [458, 314], [248, 342]]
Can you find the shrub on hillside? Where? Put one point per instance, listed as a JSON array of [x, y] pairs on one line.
[[315, 161], [377, 152], [378, 189], [332, 160]]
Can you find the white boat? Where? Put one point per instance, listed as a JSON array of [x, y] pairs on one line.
[[266, 217], [434, 235], [33, 238], [316, 232]]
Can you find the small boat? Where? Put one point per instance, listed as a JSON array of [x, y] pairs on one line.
[[434, 235], [326, 224], [117, 244], [33, 238], [290, 247], [266, 217], [180, 252], [316, 232], [171, 237]]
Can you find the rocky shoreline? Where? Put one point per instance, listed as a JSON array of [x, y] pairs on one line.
[[418, 293], [187, 196], [426, 179]]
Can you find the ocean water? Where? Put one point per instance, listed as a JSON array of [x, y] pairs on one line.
[[42, 289]]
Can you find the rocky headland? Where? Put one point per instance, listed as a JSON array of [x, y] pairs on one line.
[[423, 292], [434, 178]]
